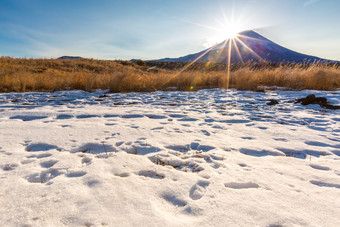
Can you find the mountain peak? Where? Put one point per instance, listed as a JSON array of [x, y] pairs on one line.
[[248, 47], [253, 34], [248, 33]]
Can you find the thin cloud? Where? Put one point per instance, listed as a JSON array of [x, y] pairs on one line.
[[310, 2]]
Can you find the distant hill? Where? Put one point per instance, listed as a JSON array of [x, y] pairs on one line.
[[70, 57], [251, 47]]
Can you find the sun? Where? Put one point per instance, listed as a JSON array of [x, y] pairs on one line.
[[224, 32], [231, 32]]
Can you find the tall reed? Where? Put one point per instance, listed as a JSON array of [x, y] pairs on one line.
[[20, 75]]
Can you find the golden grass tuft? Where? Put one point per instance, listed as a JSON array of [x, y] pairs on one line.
[[21, 75]]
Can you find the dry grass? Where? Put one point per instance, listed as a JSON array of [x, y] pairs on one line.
[[297, 77], [20, 75]]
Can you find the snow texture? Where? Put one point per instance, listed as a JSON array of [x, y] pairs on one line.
[[205, 158]]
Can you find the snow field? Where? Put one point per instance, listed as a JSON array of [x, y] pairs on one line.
[[206, 158]]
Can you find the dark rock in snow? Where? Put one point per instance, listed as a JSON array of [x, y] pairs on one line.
[[329, 106], [272, 102], [312, 99], [260, 90]]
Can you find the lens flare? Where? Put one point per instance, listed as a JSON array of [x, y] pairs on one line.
[[225, 43], [226, 32]]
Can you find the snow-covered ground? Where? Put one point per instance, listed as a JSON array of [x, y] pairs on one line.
[[206, 158]]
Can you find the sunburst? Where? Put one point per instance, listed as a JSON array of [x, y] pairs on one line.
[[226, 36]]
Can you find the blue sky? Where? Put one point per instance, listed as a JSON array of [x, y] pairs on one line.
[[152, 29]]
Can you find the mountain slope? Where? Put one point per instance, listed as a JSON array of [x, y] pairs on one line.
[[248, 47]]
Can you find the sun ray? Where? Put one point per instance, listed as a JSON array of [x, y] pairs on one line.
[[198, 24], [237, 50], [221, 50], [251, 38], [228, 64], [248, 48], [220, 23], [189, 64]]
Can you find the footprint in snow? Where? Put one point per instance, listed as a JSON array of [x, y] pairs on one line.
[[281, 139], [85, 116], [132, 116], [27, 117], [100, 149], [76, 173], [134, 126], [177, 115], [123, 174], [193, 146], [152, 116], [151, 174], [26, 161], [39, 156], [206, 133], [65, 126], [177, 163], [324, 184], [48, 164], [336, 152], [247, 138], [245, 167], [188, 119], [47, 175], [111, 116], [64, 116], [238, 121], [317, 144], [322, 129], [275, 225], [198, 190], [174, 200], [139, 147], [92, 182], [204, 175], [9, 167], [86, 161], [40, 147], [119, 143], [157, 128], [261, 152], [318, 167], [110, 124], [237, 185]]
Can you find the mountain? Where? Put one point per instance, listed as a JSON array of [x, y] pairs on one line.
[[70, 57], [249, 46]]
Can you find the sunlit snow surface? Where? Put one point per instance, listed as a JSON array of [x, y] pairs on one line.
[[206, 158]]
